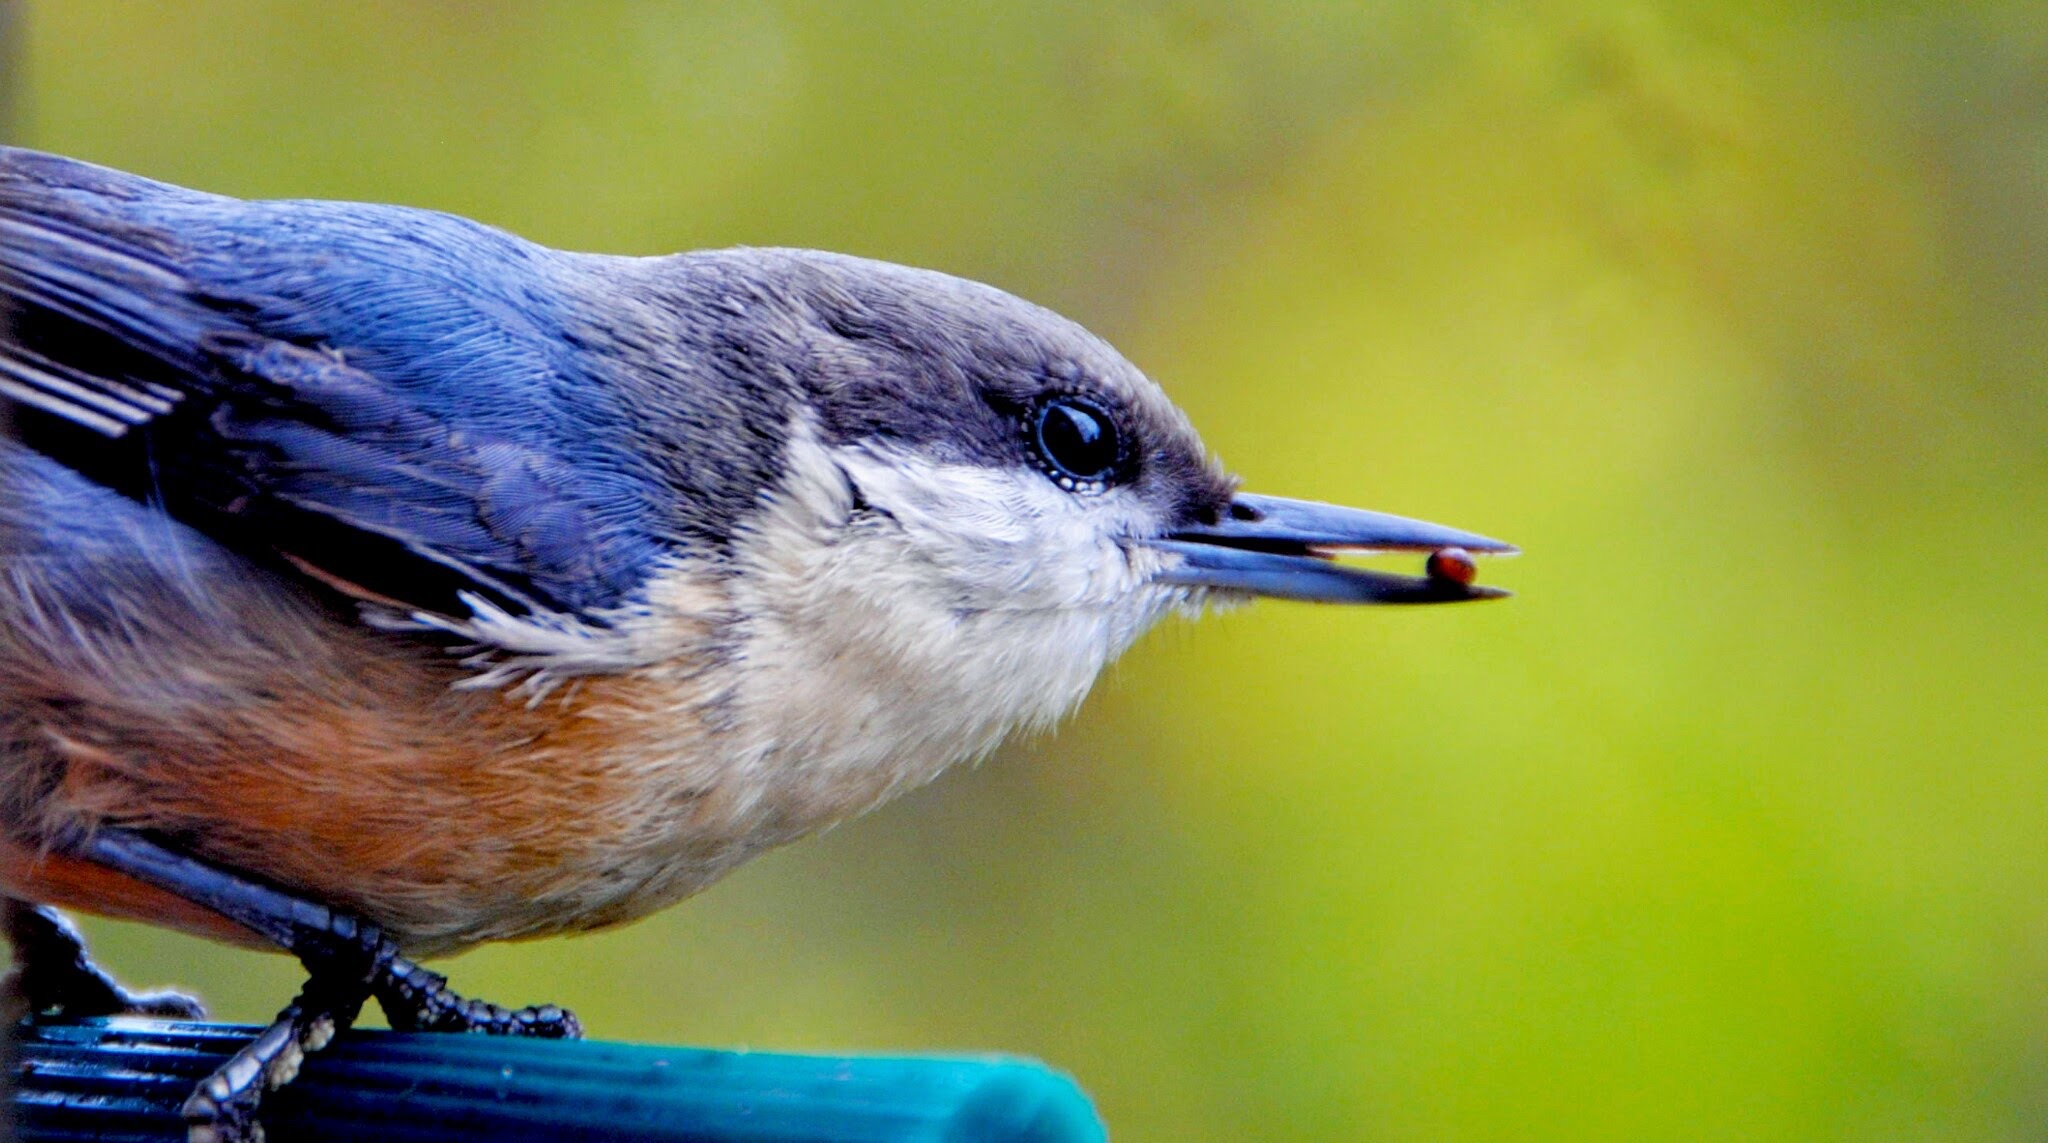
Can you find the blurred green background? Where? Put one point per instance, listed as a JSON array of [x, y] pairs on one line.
[[1733, 825]]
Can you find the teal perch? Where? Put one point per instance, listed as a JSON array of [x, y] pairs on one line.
[[121, 1081]]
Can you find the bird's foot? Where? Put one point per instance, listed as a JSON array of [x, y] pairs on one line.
[[343, 958], [54, 975], [222, 1109], [347, 962], [415, 999]]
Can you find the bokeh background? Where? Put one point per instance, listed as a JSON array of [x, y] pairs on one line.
[[1733, 825]]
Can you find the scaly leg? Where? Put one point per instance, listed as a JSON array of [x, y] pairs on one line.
[[54, 974], [347, 961], [222, 1109]]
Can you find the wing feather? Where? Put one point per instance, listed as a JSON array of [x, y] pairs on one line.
[[322, 386]]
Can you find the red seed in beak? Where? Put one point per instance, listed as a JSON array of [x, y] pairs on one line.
[[1452, 564]]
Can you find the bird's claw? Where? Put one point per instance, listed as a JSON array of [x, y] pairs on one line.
[[347, 960], [224, 1107], [54, 974], [216, 1114], [416, 999], [164, 1005]]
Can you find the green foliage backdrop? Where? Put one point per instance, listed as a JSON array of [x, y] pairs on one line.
[[1733, 825]]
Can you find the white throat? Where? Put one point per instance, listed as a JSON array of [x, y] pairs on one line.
[[881, 647]]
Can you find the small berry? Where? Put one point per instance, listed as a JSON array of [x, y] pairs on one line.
[[1453, 565]]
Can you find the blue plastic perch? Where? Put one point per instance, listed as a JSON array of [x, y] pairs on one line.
[[122, 1080]]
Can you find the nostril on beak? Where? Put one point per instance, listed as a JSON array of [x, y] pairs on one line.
[[1239, 510]]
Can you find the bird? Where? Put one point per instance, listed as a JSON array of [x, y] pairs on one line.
[[375, 583]]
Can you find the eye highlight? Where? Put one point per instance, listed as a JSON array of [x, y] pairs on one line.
[[1077, 443]]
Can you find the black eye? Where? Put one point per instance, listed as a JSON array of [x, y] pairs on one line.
[[1077, 442]]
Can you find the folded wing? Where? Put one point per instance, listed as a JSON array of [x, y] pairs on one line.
[[368, 395]]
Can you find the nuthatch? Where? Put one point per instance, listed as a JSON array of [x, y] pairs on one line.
[[374, 583]]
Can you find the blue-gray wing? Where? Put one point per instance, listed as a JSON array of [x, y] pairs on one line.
[[374, 394]]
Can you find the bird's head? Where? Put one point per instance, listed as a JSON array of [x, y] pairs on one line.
[[985, 503]]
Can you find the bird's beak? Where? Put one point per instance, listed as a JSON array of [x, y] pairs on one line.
[[1269, 545]]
